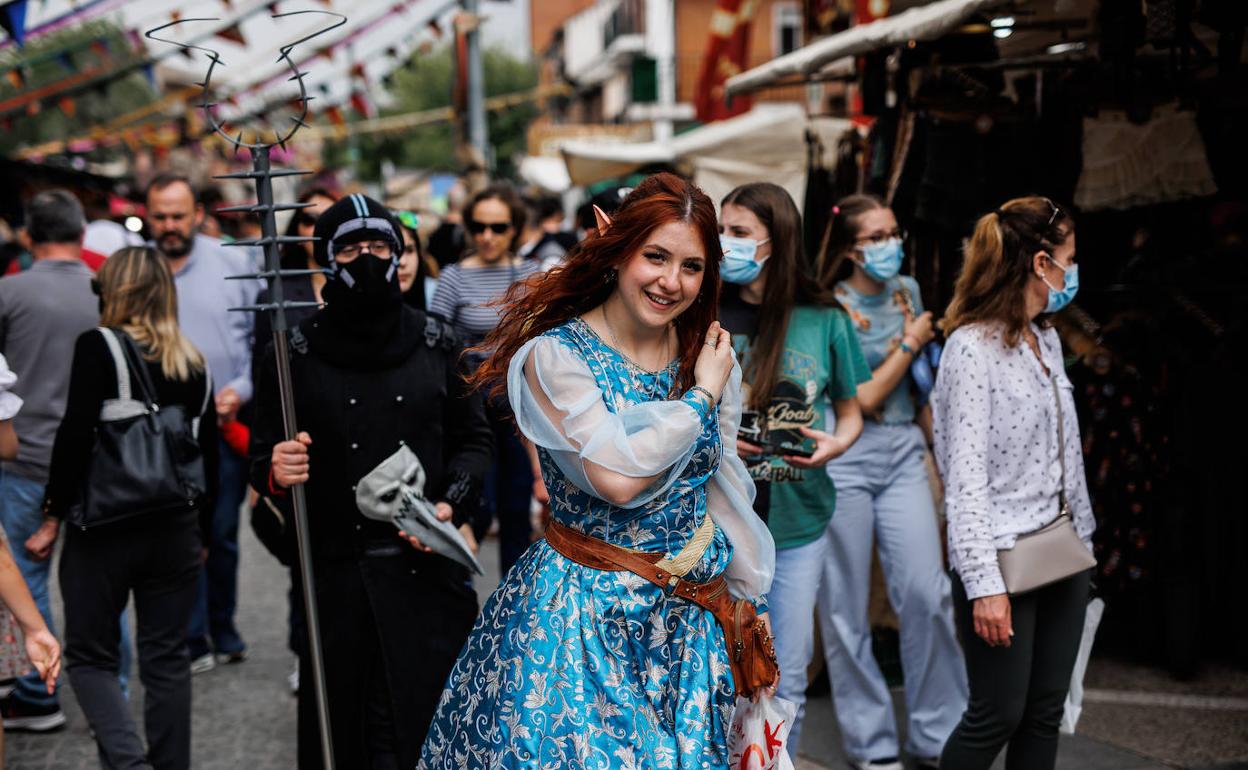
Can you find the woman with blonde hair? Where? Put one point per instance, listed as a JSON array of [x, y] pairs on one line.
[[137, 363], [1007, 442]]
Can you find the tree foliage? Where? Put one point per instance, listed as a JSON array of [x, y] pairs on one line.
[[50, 58], [424, 82]]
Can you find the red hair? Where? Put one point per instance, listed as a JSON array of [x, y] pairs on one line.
[[584, 281]]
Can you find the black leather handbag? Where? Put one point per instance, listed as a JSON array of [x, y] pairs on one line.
[[146, 457]]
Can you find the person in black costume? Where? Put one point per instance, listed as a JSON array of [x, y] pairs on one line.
[[372, 375]]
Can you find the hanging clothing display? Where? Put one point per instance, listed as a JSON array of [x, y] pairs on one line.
[[1127, 165]]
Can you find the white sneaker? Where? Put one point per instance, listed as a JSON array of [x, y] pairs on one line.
[[203, 664], [878, 764]]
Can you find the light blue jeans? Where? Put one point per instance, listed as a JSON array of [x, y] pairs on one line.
[[791, 603], [883, 494], [21, 513]]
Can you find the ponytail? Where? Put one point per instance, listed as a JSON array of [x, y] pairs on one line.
[[843, 227]]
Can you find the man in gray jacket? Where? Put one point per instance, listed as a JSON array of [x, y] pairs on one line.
[[42, 313]]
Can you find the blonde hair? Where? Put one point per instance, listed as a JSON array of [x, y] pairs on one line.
[[139, 297], [998, 262]]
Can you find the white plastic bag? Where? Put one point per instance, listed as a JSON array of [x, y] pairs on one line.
[[1074, 698], [759, 732]]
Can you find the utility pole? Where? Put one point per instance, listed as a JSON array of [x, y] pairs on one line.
[[477, 134], [661, 42]]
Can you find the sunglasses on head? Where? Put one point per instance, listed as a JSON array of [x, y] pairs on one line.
[[498, 228], [95, 286]]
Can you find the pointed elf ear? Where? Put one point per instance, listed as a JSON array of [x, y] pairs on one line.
[[601, 219]]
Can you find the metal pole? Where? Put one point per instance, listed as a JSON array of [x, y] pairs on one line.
[[478, 136], [272, 260]]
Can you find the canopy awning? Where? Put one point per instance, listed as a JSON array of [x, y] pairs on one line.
[[923, 23], [768, 142]]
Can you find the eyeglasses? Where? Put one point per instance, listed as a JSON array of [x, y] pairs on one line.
[[498, 228], [878, 238], [380, 249]]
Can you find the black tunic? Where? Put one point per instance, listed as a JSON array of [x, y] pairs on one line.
[[389, 615]]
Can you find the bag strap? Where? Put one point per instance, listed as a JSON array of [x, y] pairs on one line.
[[119, 363], [1061, 446], [141, 375]]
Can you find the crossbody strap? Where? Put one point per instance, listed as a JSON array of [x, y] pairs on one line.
[[1061, 446], [119, 363]]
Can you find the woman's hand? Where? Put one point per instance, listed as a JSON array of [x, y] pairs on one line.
[[992, 619], [290, 461], [827, 448], [45, 654], [746, 449], [714, 362], [919, 329], [444, 512], [40, 543]]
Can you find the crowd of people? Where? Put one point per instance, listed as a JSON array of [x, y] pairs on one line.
[[716, 424]]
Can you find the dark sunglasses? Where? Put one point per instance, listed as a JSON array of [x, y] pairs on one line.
[[498, 228], [95, 286]]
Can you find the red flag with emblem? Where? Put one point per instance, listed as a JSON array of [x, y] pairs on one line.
[[726, 55]]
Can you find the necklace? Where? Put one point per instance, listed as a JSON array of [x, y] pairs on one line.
[[652, 391]]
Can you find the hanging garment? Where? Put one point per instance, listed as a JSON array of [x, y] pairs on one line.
[[1127, 165]]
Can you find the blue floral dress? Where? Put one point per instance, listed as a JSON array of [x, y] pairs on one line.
[[575, 668]]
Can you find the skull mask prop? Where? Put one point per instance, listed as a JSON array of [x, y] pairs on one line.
[[394, 492]]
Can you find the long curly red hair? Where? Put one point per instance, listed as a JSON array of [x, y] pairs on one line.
[[584, 281]]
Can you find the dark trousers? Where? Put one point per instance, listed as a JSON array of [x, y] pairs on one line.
[[161, 565], [212, 622], [392, 624], [508, 489], [1017, 692]]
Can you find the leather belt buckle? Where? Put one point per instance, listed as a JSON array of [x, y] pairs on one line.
[[673, 582]]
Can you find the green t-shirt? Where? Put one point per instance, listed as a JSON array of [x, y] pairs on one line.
[[822, 362]]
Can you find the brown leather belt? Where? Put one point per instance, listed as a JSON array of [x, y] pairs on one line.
[[597, 554]]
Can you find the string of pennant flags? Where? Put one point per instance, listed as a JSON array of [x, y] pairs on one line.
[[109, 67]]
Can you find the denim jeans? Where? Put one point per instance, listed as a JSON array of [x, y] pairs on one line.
[[212, 620], [883, 496], [21, 513], [791, 604]]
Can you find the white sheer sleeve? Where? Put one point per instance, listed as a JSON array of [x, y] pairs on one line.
[[654, 440], [730, 500]]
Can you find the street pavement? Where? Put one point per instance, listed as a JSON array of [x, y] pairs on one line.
[[244, 714]]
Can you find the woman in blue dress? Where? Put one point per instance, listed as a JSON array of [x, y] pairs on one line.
[[620, 376]]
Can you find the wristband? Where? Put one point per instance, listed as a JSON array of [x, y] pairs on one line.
[[710, 400], [907, 348]]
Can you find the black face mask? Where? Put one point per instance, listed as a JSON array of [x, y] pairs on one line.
[[366, 286]]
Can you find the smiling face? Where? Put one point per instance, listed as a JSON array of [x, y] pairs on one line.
[[662, 279]]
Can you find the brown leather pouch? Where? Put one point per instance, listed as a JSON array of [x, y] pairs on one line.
[[751, 653]]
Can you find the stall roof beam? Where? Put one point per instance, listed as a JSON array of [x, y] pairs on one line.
[[923, 23]]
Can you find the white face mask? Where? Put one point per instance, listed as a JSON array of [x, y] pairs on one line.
[[394, 492]]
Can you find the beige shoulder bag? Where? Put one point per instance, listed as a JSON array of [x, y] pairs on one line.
[[1053, 552]]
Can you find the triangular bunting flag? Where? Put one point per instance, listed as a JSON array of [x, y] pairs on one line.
[[13, 20], [68, 106], [149, 72], [17, 78], [234, 34], [360, 103], [335, 116], [357, 71]]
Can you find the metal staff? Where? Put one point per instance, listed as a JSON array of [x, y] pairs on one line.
[[265, 208]]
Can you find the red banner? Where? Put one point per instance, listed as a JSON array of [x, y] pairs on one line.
[[726, 55]]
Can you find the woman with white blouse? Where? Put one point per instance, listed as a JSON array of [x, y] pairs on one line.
[[996, 415]]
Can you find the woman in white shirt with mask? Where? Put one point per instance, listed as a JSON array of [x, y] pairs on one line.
[[1000, 394]]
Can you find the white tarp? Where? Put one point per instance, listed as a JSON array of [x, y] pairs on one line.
[[768, 143], [923, 23]]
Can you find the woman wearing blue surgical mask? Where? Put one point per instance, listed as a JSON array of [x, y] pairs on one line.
[[801, 369], [1008, 447], [883, 497]]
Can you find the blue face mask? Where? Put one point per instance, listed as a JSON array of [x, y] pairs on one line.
[[739, 265], [1060, 298], [882, 261]]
